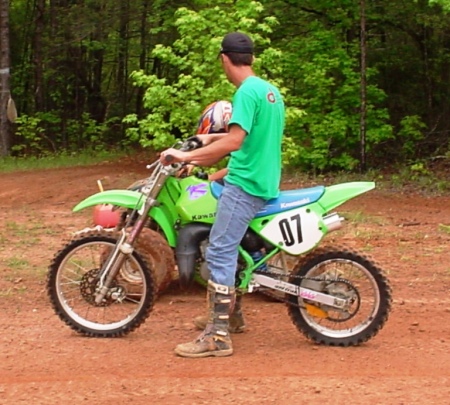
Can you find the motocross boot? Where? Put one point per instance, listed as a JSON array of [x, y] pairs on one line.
[[236, 322], [215, 339]]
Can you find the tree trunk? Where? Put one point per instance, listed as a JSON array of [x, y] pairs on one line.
[[96, 101], [363, 110], [122, 56], [143, 55], [37, 56], [5, 95]]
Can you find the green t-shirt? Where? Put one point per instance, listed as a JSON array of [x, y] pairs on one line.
[[258, 109]]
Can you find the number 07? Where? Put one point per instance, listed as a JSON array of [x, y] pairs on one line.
[[289, 228]]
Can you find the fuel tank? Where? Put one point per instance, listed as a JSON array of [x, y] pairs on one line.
[[196, 202]]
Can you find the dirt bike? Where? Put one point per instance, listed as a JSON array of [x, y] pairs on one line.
[[102, 283]]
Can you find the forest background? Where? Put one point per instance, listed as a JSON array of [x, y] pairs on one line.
[[366, 83]]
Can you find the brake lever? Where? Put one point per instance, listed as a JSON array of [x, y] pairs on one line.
[[202, 175], [194, 142], [151, 166]]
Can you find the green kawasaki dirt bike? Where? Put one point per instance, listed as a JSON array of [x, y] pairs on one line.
[[104, 282]]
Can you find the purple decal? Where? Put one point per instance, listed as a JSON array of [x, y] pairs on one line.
[[308, 294], [197, 191]]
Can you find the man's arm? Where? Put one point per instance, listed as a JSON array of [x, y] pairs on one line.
[[210, 138], [211, 153]]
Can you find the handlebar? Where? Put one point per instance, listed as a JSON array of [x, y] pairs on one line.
[[189, 144]]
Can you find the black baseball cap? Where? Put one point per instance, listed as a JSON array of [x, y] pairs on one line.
[[237, 42]]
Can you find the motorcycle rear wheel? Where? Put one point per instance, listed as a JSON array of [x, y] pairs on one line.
[[73, 278], [364, 281]]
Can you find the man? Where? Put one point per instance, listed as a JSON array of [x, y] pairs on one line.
[[254, 172]]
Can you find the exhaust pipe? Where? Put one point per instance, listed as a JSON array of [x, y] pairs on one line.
[[333, 221], [187, 250]]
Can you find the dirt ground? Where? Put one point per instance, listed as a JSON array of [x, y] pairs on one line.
[[42, 361]]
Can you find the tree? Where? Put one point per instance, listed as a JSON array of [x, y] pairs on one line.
[[73, 58], [5, 94], [194, 77], [363, 108]]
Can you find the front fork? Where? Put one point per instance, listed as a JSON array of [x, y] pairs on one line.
[[110, 268], [124, 245]]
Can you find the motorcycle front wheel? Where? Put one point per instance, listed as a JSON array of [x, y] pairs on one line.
[[348, 275], [73, 279]]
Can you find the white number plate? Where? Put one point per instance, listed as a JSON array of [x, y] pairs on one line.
[[296, 231]]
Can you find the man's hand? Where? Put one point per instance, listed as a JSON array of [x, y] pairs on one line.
[[185, 171], [220, 174], [172, 155]]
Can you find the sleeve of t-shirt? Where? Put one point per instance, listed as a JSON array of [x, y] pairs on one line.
[[244, 109]]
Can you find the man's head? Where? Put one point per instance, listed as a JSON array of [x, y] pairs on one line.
[[238, 47]]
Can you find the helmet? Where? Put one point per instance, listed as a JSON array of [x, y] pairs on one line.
[[215, 118]]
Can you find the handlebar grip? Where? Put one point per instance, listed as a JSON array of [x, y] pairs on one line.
[[169, 158]]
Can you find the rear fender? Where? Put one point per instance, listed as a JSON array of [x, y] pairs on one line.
[[340, 193]]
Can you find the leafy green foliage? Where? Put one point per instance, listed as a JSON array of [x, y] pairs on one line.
[[33, 134], [57, 160], [411, 131], [325, 72], [71, 82], [323, 67], [175, 103], [444, 3]]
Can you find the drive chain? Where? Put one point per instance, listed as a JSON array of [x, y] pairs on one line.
[[267, 291]]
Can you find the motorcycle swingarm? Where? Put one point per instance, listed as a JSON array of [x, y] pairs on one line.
[[305, 293]]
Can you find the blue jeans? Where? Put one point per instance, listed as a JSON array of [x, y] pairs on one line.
[[235, 210]]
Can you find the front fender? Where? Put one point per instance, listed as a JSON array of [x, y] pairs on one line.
[[132, 199], [340, 193], [122, 198]]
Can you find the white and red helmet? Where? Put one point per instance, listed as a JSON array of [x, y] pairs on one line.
[[215, 118]]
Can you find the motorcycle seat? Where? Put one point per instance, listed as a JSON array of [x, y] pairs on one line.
[[286, 201]]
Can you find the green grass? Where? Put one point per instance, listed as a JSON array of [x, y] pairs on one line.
[[16, 229], [17, 263], [406, 178], [358, 217], [398, 180], [295, 175], [86, 158], [28, 234], [444, 228]]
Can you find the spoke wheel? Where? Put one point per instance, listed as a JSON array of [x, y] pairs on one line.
[[346, 275], [74, 277]]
